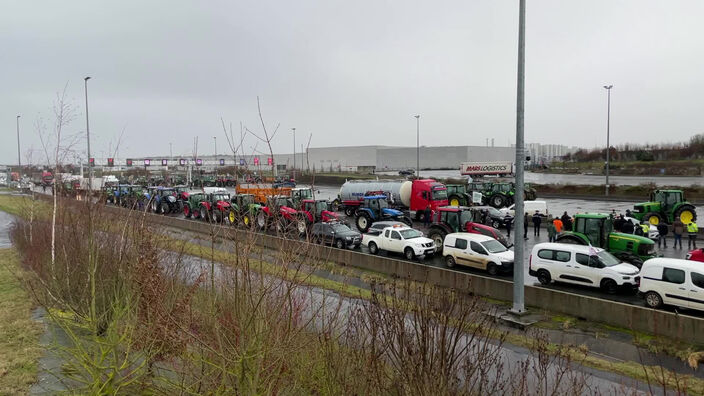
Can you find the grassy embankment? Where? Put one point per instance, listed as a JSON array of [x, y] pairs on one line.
[[19, 333], [630, 168], [18, 205]]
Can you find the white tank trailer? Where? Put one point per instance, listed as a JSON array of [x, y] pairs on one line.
[[400, 190]]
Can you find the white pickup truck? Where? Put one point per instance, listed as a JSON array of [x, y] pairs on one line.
[[408, 241]]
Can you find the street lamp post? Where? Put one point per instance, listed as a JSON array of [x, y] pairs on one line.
[[608, 144], [518, 286], [19, 157], [215, 140], [294, 153], [417, 145], [90, 168]]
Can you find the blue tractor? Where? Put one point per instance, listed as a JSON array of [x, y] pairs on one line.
[[376, 208]]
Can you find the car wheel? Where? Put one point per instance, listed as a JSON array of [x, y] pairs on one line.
[[492, 269], [450, 261], [409, 254], [653, 299], [373, 249], [544, 277], [496, 224], [609, 286], [340, 244]]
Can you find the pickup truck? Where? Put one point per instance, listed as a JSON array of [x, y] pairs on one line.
[[400, 239]]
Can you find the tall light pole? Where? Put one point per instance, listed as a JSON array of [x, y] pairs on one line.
[[19, 157], [171, 151], [518, 286], [608, 144], [417, 145], [90, 168], [215, 140], [294, 153]]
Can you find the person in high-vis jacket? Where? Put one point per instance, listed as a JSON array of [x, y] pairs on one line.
[[692, 230]]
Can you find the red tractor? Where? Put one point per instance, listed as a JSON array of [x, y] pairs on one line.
[[278, 211], [449, 219], [314, 211], [215, 207]]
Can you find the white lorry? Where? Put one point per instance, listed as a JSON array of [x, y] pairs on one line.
[[400, 239], [502, 168]]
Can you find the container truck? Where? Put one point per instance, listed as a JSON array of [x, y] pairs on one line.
[[499, 168], [414, 195]]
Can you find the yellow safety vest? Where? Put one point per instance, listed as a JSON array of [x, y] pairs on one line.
[[692, 228], [645, 228]]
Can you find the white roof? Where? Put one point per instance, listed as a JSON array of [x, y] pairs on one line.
[[566, 246], [472, 237], [211, 190], [673, 262]]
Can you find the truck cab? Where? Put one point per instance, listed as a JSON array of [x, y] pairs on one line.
[[426, 192], [400, 239]]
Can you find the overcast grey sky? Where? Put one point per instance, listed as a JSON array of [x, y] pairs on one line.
[[352, 72]]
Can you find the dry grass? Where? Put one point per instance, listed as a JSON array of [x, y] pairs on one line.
[[19, 333]]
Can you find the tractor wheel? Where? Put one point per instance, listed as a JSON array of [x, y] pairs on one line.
[[438, 236], [363, 222], [652, 218], [373, 249], [232, 218], [336, 205], [685, 213], [218, 216], [497, 201], [280, 227], [407, 220], [261, 221], [496, 224], [164, 208], [570, 239], [247, 220], [349, 211], [454, 200], [187, 211], [302, 226], [204, 214], [153, 206], [196, 214], [630, 258]]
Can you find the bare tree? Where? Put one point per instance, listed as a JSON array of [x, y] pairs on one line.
[[266, 139]]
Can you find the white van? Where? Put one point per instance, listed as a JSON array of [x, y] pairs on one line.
[[581, 265], [477, 251], [668, 281], [528, 206]]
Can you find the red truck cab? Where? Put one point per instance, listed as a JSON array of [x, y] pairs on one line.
[[426, 192]]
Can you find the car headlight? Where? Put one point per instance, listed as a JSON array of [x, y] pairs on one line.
[[348, 238], [688, 256]]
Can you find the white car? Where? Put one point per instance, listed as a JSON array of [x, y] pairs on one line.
[[668, 281], [400, 239], [477, 251], [581, 265]]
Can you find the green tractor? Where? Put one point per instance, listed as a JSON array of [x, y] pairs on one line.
[[502, 194], [243, 210], [458, 195], [597, 229], [665, 206]]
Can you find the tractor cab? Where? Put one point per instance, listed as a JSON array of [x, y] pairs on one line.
[[243, 200], [595, 228], [318, 210], [455, 217], [279, 201], [300, 194]]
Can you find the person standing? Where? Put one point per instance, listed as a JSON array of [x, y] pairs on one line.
[[558, 225], [508, 222], [552, 232], [526, 218], [692, 231], [537, 219], [662, 234], [427, 215], [566, 221], [677, 231]]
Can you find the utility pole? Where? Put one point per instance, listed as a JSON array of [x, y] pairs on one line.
[[518, 285], [19, 157], [417, 145], [215, 139], [608, 144], [171, 151], [90, 167], [294, 153]]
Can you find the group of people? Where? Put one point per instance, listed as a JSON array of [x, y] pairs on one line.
[[626, 225], [554, 227]]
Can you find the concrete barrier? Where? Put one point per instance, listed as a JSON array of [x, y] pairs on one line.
[[637, 318]]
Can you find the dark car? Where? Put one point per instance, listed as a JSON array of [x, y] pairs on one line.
[[495, 218], [335, 234], [406, 172], [377, 227]]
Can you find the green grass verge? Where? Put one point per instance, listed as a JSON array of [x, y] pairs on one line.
[[19, 333]]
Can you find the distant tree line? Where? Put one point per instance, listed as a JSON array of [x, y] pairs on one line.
[[694, 149]]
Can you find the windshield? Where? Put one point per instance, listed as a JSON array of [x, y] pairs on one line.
[[221, 197], [493, 211], [494, 246], [410, 234], [383, 203], [439, 195], [247, 199], [608, 259], [466, 216], [307, 193], [340, 228], [282, 202], [321, 206]]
